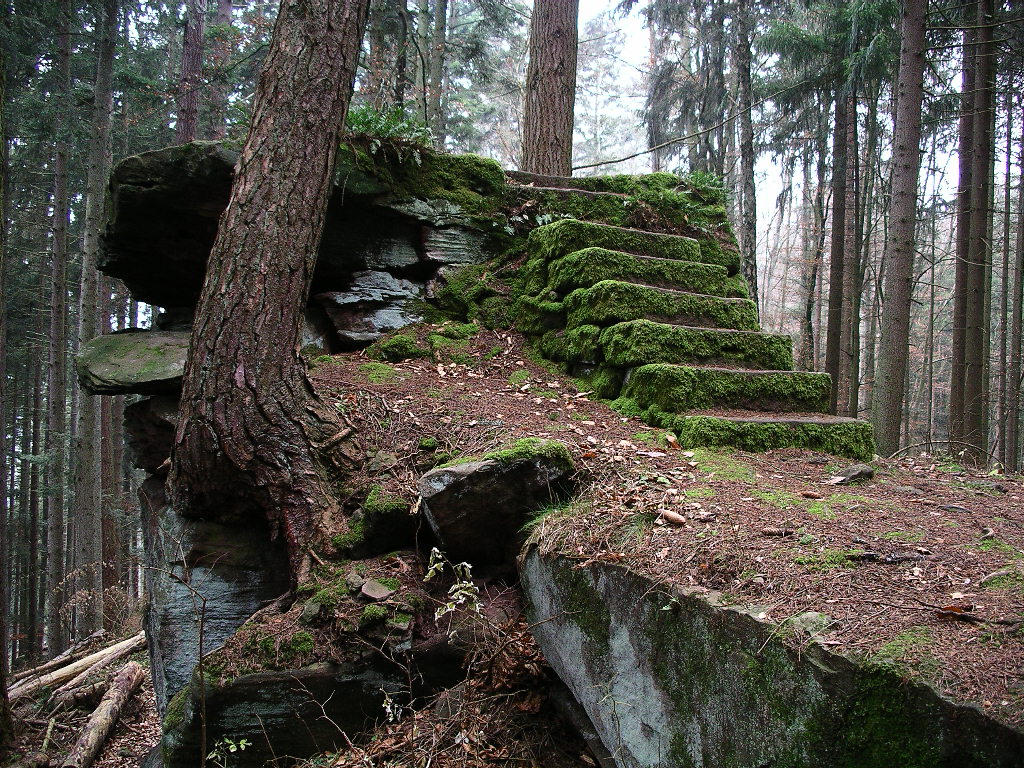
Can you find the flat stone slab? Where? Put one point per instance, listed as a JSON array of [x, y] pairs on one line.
[[140, 362]]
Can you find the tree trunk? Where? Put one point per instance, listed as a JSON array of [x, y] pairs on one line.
[[1013, 386], [979, 246], [849, 357], [222, 48], [1004, 293], [550, 89], [833, 340], [103, 720], [748, 195], [88, 488], [435, 72], [61, 675], [246, 442], [899, 260], [191, 72]]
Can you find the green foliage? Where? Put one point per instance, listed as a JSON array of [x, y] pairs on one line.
[[389, 123]]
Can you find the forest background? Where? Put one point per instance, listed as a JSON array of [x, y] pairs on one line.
[[791, 105]]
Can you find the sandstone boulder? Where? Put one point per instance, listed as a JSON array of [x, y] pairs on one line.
[[133, 362]]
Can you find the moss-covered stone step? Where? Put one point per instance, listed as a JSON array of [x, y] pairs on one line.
[[679, 388], [583, 268], [552, 241], [837, 435], [613, 301], [638, 342]]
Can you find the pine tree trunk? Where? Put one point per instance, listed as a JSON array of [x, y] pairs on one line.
[[250, 421], [435, 72], [748, 195], [1013, 386], [979, 247], [550, 89], [6, 721], [899, 260], [222, 48], [88, 482], [57, 384], [834, 334], [1004, 293], [846, 397], [191, 72]]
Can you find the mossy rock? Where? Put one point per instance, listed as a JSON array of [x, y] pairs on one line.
[[583, 268], [561, 238], [609, 302], [382, 524], [836, 435], [641, 341], [576, 345], [400, 346], [681, 388]]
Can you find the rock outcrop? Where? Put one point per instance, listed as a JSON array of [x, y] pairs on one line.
[[673, 677]]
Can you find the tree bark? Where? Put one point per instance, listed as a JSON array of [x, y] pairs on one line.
[[250, 421], [435, 72], [88, 488], [899, 259], [550, 89], [103, 720], [849, 358], [748, 195], [833, 339], [191, 72], [221, 50], [59, 676]]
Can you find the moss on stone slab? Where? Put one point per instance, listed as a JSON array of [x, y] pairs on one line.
[[842, 437], [603, 381], [400, 346], [533, 449], [536, 316], [561, 238], [576, 345], [583, 268], [610, 302], [681, 388], [641, 341]]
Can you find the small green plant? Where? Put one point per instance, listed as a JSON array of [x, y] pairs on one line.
[[223, 752], [428, 444], [518, 378], [393, 123], [379, 373]]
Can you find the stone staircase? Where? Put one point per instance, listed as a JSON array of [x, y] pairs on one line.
[[663, 326]]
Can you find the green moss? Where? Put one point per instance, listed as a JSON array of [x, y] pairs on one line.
[[390, 583], [174, 715], [853, 439], [531, 449], [300, 643], [535, 316], [582, 603], [603, 381], [681, 388], [723, 465], [582, 269], [828, 559], [519, 377], [400, 346], [372, 614], [998, 545], [378, 502], [1011, 581], [610, 302], [640, 342], [561, 238], [428, 444], [780, 499], [462, 291], [699, 493], [577, 345], [353, 537]]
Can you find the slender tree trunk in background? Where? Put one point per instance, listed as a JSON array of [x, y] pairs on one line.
[[899, 259], [550, 89], [244, 377], [748, 195], [6, 721], [57, 384], [221, 49], [435, 72], [846, 397], [1004, 293], [1013, 387], [834, 334], [422, 40], [33, 641], [191, 72], [979, 248], [963, 231], [88, 481]]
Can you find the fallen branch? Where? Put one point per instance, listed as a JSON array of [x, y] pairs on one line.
[[67, 693], [102, 721], [75, 652], [62, 675]]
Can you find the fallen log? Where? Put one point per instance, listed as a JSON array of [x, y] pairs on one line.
[[66, 693], [103, 720], [62, 675], [75, 652]]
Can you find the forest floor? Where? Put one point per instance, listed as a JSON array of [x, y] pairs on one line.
[[920, 567]]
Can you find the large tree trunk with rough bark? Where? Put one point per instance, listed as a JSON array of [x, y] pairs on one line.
[[550, 89], [191, 72], [899, 257], [748, 194], [250, 421], [834, 334]]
